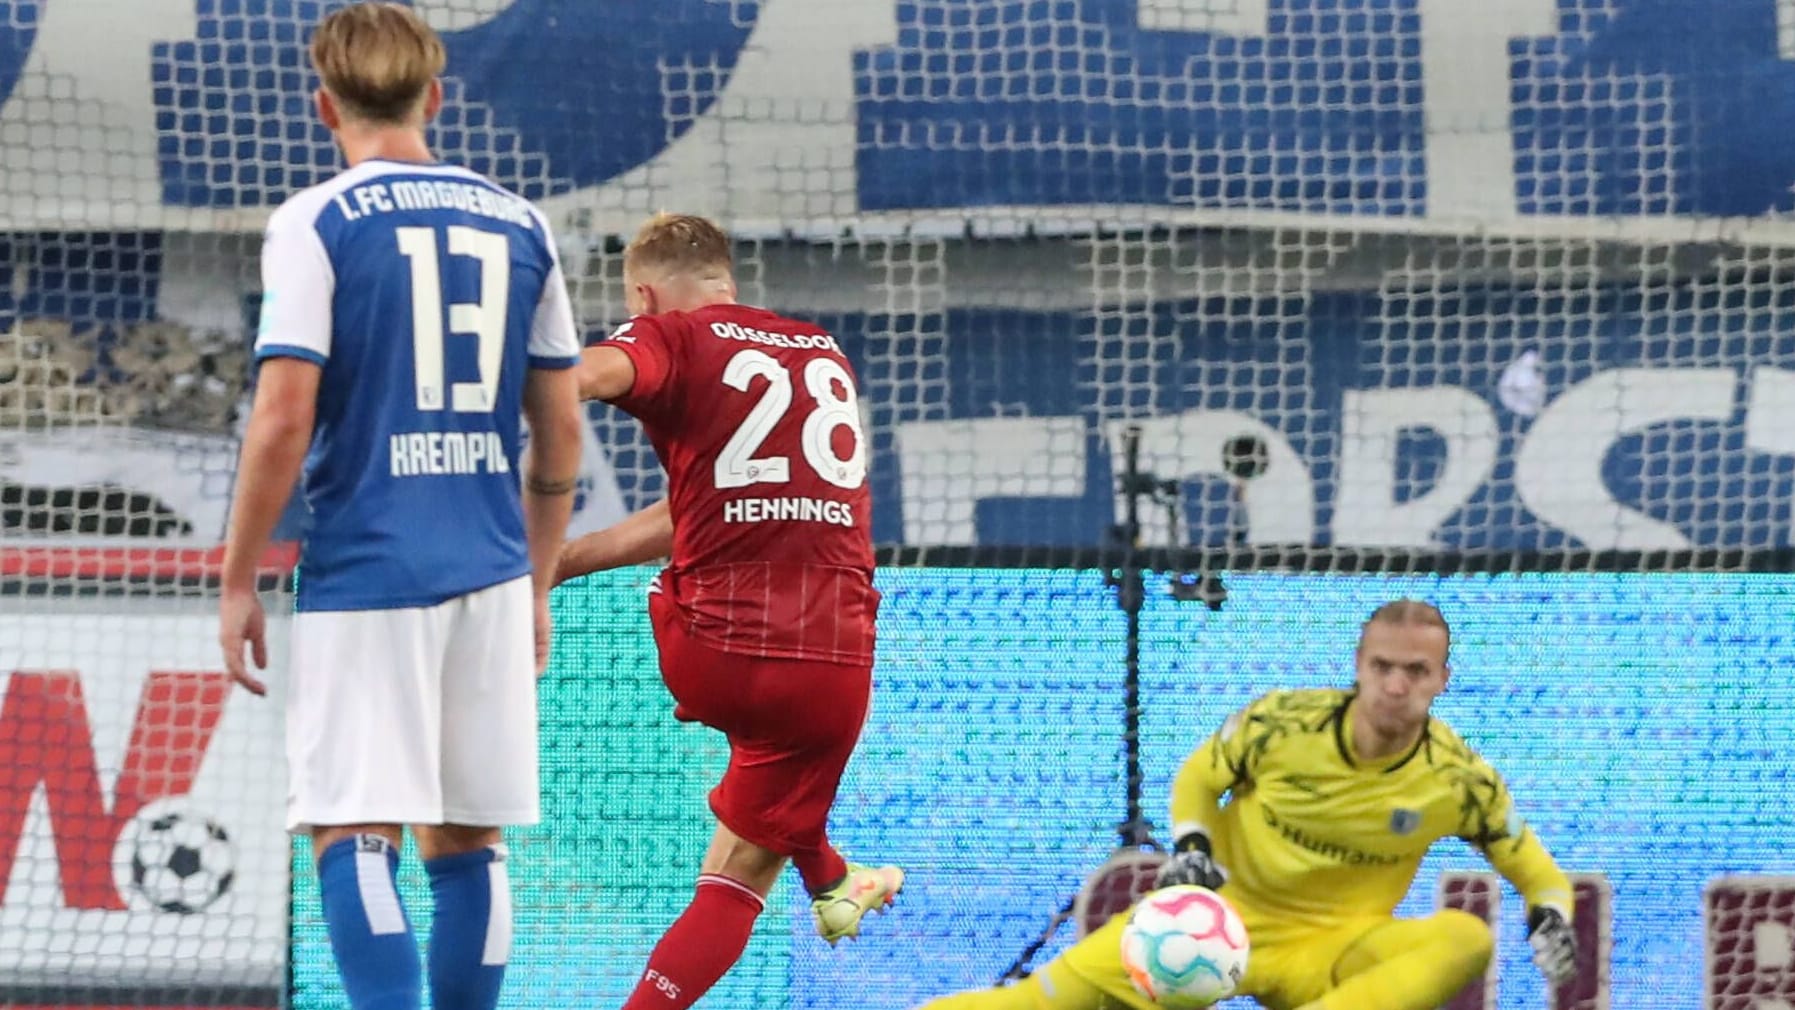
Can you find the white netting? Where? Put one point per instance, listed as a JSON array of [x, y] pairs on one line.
[[1441, 284]]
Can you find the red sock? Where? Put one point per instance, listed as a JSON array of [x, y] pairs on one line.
[[820, 867], [701, 945]]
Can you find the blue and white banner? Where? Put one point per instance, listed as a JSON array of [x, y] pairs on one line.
[[1553, 392], [186, 113], [1613, 419]]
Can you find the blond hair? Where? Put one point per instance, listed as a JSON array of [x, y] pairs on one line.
[[1413, 612], [377, 60], [682, 243]]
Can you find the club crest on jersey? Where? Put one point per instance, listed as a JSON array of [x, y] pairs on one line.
[[1403, 822]]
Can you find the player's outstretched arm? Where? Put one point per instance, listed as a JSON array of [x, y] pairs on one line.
[[274, 448], [1518, 854], [1524, 861], [605, 373], [637, 539], [1196, 790], [1217, 766]]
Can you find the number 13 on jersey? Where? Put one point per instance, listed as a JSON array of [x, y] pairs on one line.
[[837, 406], [484, 317]]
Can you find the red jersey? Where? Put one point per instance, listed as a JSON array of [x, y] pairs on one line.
[[756, 419]]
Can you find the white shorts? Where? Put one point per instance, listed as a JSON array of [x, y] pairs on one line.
[[421, 715]]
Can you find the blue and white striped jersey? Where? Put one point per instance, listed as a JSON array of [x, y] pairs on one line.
[[424, 292]]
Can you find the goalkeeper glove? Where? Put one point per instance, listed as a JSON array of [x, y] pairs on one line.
[[1191, 863], [1554, 944]]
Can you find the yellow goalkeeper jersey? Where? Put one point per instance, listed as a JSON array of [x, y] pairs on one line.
[[1310, 834]]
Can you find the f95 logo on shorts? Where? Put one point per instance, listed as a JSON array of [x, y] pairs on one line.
[[664, 985]]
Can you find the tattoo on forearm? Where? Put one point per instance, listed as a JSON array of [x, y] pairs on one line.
[[542, 485]]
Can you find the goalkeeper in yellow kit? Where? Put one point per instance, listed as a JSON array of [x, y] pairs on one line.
[[1332, 798]]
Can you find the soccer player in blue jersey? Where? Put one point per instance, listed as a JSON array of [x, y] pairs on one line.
[[414, 314]]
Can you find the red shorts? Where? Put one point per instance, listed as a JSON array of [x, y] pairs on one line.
[[792, 725]]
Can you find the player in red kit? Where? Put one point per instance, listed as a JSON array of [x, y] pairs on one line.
[[764, 619]]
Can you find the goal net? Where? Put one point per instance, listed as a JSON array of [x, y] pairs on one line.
[[1490, 304]]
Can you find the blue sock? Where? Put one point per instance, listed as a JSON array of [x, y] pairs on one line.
[[470, 938], [376, 952]]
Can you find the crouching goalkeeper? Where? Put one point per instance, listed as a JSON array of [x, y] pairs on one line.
[[1334, 796]]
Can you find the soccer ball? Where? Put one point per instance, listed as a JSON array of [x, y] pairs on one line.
[[173, 859], [1184, 947]]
